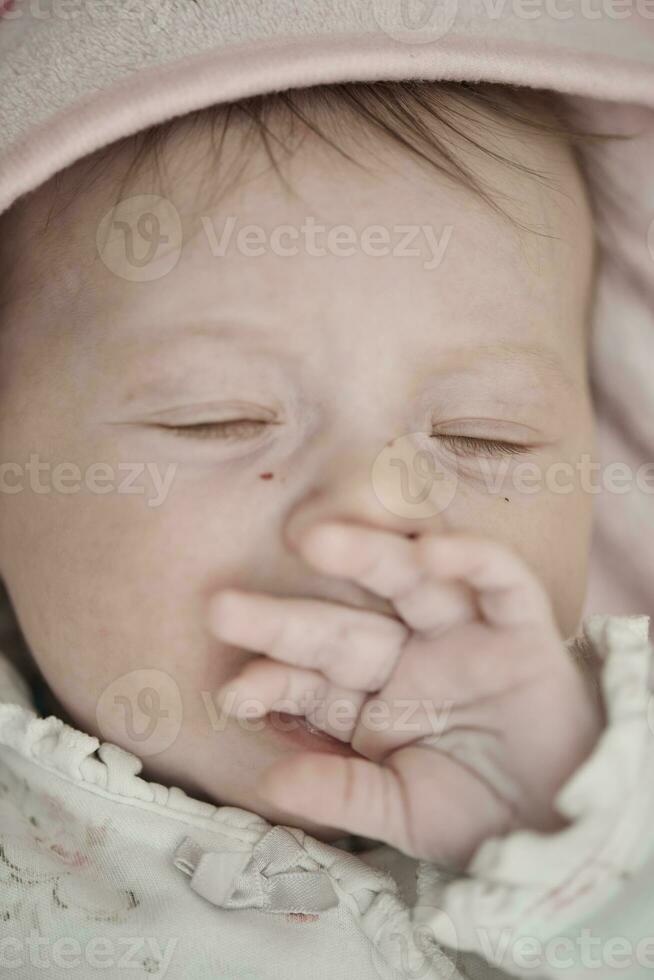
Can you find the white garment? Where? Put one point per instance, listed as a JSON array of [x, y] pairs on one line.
[[104, 873]]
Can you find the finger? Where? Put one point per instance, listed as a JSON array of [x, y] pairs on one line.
[[295, 691], [455, 682], [507, 591], [382, 561], [422, 802], [352, 793], [386, 563], [356, 648], [413, 706], [433, 607]]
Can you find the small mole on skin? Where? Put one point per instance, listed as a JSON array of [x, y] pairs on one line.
[[507, 499], [266, 476]]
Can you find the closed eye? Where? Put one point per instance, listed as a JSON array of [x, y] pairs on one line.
[[473, 446], [248, 428], [232, 428]]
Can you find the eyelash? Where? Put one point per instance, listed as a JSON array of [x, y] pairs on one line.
[[466, 445], [473, 446], [208, 430]]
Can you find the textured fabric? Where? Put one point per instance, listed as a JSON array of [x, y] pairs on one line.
[[537, 886], [92, 853], [271, 878]]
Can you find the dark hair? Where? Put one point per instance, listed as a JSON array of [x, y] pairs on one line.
[[427, 119]]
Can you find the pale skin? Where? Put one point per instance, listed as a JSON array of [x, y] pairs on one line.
[[478, 634], [237, 577]]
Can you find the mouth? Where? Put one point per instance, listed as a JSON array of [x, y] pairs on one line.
[[298, 731]]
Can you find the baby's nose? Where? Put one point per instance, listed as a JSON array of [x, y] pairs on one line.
[[386, 491]]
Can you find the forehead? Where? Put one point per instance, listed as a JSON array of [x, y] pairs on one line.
[[494, 280]]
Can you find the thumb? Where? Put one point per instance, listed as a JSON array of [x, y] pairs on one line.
[[351, 793]]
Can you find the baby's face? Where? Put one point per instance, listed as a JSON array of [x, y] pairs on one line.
[[325, 358]]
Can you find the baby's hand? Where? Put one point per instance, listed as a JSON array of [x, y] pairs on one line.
[[468, 711]]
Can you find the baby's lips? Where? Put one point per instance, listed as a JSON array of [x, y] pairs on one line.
[[326, 732], [311, 737], [338, 728]]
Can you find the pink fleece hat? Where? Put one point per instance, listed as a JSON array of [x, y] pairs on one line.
[[76, 75]]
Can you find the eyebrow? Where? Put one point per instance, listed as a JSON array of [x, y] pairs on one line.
[[226, 331], [230, 330], [462, 359], [466, 359]]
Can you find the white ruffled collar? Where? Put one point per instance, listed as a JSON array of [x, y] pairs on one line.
[[60, 747]]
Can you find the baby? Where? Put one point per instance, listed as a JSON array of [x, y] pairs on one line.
[[303, 572], [272, 382]]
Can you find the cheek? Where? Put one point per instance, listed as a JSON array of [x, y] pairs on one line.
[[561, 546], [104, 586], [549, 530], [572, 538]]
